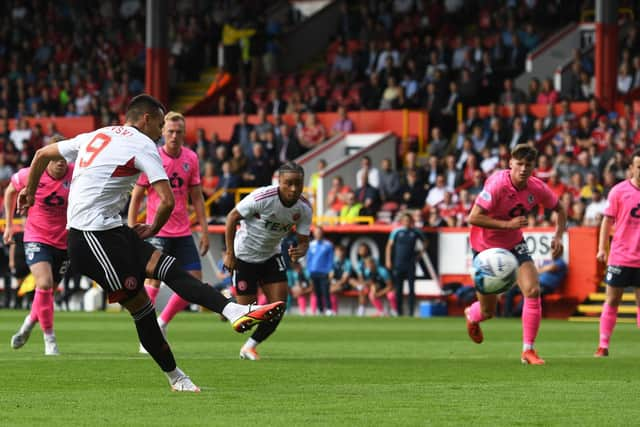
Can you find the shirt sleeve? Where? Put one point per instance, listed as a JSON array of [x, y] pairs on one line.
[[487, 197], [549, 199], [611, 208], [195, 171], [69, 148], [143, 180], [148, 161], [384, 273], [19, 179], [247, 206], [304, 224]]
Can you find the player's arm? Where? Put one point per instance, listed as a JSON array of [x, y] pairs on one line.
[[297, 252], [387, 253], [603, 238], [134, 205], [165, 195], [43, 156], [561, 227], [480, 218], [198, 204], [233, 219], [10, 197]]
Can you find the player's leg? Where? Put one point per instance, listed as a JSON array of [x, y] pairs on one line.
[[411, 281], [375, 301], [152, 286], [43, 304], [531, 311], [274, 292], [398, 287], [616, 279], [142, 310], [481, 310], [393, 303], [334, 290]]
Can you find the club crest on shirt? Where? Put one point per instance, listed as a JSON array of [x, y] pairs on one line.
[[296, 216], [530, 198], [185, 167], [66, 184], [485, 195]]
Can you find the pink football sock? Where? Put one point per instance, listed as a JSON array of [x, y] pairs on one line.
[[334, 303], [376, 303], [475, 314], [607, 323], [531, 315], [302, 305], [313, 303], [152, 292], [391, 297], [173, 307], [43, 306], [262, 299]]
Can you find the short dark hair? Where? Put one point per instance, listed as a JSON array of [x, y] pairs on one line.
[[636, 153], [290, 167], [524, 152], [143, 104]]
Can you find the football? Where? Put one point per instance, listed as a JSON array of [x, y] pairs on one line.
[[495, 271]]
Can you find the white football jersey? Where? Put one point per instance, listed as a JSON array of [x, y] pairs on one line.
[[266, 221], [108, 162]]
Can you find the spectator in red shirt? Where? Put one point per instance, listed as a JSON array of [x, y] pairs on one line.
[[313, 133], [543, 170], [336, 196], [548, 94], [555, 185]]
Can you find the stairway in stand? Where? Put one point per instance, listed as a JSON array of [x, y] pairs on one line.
[[590, 309], [185, 94]]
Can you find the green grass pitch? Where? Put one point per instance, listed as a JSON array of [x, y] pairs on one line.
[[320, 372]]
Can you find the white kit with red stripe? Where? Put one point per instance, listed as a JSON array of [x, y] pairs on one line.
[[109, 161], [266, 221]]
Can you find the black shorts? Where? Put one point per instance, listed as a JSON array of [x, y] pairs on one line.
[[247, 276], [520, 251], [36, 252], [622, 277], [116, 259], [20, 268]]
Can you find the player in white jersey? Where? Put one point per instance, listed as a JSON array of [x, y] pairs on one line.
[[253, 252], [101, 247]]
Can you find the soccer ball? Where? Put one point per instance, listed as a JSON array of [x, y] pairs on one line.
[[495, 271]]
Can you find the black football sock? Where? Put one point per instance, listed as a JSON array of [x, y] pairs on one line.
[[151, 337], [265, 329], [187, 286]]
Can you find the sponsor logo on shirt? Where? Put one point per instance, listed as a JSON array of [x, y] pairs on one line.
[[530, 198], [276, 226]]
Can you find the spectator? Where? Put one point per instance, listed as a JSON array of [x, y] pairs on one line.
[[319, 264], [275, 105], [549, 120], [342, 67], [228, 183], [371, 93], [264, 126], [312, 134], [390, 95], [350, 210], [389, 182], [343, 124], [241, 134], [378, 281], [436, 193], [595, 208], [301, 289], [238, 161], [337, 196], [372, 173], [548, 94], [313, 101], [339, 277], [510, 94], [368, 196], [455, 143], [210, 179], [438, 146]]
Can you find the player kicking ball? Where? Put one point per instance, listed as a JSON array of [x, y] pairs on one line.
[[108, 162], [253, 254], [496, 218], [624, 257]]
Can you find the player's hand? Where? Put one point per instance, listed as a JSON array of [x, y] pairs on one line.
[[229, 261], [144, 231], [517, 222], [601, 256], [7, 236], [25, 201], [204, 244], [556, 247], [295, 252]]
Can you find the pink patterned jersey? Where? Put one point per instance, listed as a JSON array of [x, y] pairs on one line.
[[502, 200], [623, 205], [47, 218], [183, 172]]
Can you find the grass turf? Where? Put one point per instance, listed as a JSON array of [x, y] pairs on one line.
[[320, 371]]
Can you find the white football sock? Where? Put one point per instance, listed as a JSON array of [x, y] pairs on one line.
[[174, 375], [233, 311], [251, 343]]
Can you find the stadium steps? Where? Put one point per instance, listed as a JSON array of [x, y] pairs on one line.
[[186, 94], [590, 309]]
